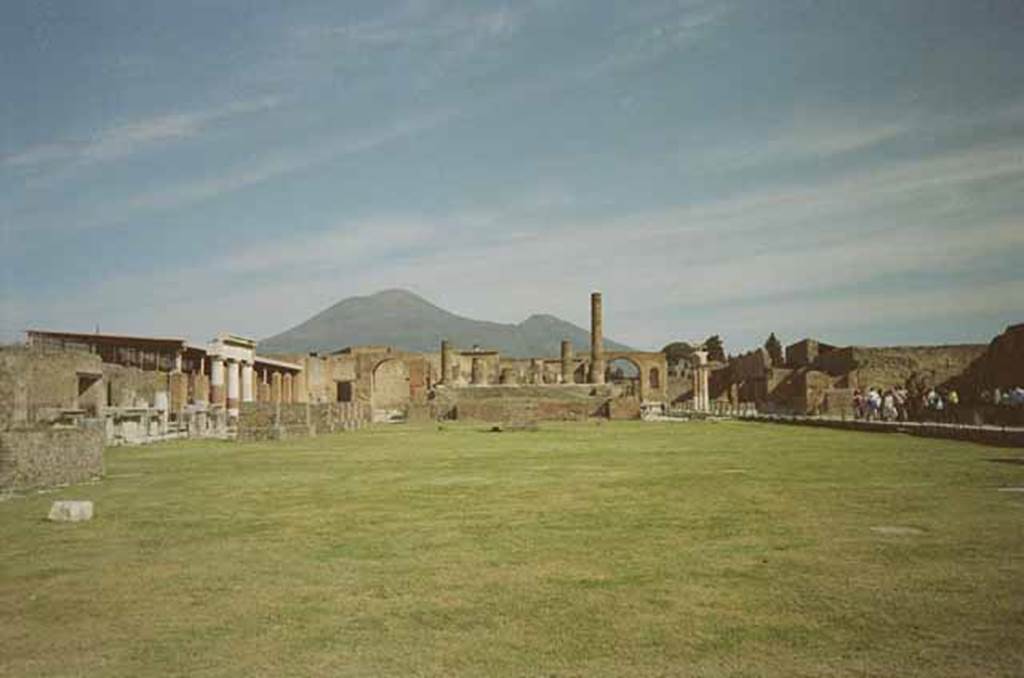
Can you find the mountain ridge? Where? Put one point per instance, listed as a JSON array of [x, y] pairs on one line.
[[406, 321]]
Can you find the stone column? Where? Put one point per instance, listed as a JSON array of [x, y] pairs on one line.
[[286, 387], [275, 387], [701, 401], [300, 394], [567, 362], [233, 386], [476, 374], [217, 392], [597, 363], [446, 363], [247, 379], [179, 391], [536, 371]]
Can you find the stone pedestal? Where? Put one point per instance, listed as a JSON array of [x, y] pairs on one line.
[[568, 364]]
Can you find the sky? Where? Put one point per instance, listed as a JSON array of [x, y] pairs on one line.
[[851, 171]]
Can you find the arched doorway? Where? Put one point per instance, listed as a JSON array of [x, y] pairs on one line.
[[624, 373], [390, 392]]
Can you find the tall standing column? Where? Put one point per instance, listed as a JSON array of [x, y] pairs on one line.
[[567, 362], [476, 375], [217, 392], [247, 379], [233, 386], [701, 401], [300, 392], [597, 363], [275, 387], [286, 387], [446, 363]]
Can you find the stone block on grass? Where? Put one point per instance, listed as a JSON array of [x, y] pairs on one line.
[[71, 511]]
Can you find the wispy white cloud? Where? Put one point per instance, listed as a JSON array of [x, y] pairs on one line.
[[279, 163], [415, 24], [132, 137], [658, 36], [269, 165], [714, 266]]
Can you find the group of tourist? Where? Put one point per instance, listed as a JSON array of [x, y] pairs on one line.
[[878, 405], [896, 404], [1013, 397]]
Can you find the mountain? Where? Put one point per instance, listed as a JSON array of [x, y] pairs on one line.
[[409, 322]]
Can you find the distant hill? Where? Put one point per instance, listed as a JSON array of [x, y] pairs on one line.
[[409, 322]]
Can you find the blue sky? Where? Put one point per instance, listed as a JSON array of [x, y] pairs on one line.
[[847, 170]]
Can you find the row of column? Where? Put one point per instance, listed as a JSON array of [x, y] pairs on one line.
[[568, 364], [233, 382]]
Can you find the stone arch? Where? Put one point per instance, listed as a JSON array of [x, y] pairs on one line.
[[390, 385], [626, 372]]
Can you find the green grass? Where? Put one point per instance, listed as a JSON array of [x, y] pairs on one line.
[[704, 549]]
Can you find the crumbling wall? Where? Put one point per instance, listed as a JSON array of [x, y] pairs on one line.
[[35, 383], [1001, 365], [805, 352], [391, 385], [332, 417], [889, 367], [44, 457], [524, 403], [131, 386], [273, 421]]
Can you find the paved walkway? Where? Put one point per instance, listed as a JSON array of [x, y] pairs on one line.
[[992, 435]]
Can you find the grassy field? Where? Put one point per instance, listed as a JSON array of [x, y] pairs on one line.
[[704, 549]]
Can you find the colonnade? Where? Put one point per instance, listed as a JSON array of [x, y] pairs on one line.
[[238, 381]]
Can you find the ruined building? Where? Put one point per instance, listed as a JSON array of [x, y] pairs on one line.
[[136, 389]]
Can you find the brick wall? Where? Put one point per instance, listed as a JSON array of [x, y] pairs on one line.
[[45, 457]]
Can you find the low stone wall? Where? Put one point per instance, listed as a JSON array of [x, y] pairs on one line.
[[522, 404], [987, 435], [332, 417], [517, 410], [45, 457], [274, 421]]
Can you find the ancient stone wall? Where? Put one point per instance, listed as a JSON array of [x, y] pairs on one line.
[[131, 386], [523, 403], [1001, 365], [391, 388], [750, 365], [333, 417], [274, 421], [805, 352], [35, 383], [43, 457], [891, 366]]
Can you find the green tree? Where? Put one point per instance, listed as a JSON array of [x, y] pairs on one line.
[[774, 348], [715, 348], [677, 352]]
